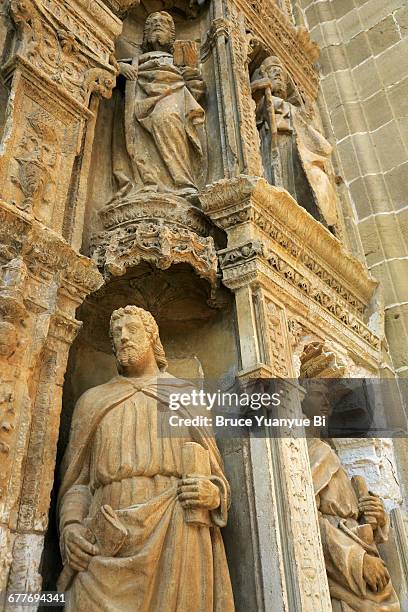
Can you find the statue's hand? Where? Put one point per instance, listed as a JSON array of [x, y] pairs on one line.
[[261, 84], [373, 506], [78, 546], [198, 493], [194, 81], [375, 573], [128, 71]]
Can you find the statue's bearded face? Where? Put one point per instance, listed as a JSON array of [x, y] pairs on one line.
[[130, 340], [277, 76], [317, 402], [159, 30]]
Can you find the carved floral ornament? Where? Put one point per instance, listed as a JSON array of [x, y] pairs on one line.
[[44, 253], [319, 360], [246, 264], [161, 243], [67, 46]]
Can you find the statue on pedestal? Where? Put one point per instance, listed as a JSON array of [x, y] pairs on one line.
[[352, 522], [163, 121], [140, 510], [295, 154]]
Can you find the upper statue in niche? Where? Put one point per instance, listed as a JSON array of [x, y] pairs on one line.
[[295, 154], [163, 122]]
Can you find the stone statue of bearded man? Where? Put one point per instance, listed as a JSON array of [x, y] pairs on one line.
[[163, 121], [137, 531]]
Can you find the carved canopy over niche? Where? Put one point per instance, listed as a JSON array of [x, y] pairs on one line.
[[177, 298], [274, 30], [319, 360]]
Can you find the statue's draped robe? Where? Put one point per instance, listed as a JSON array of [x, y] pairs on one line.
[[116, 456], [314, 152], [303, 158], [343, 550], [163, 129]]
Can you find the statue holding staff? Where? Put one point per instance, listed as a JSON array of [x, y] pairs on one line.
[[163, 122]]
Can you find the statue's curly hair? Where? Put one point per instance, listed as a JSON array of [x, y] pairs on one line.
[[151, 328], [145, 44]]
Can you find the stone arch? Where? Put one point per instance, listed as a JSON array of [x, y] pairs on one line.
[[196, 328]]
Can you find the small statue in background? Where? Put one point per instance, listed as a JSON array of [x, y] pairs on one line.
[[164, 124], [352, 522], [295, 155]]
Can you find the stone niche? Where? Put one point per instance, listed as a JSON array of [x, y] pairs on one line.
[[109, 153], [197, 330]]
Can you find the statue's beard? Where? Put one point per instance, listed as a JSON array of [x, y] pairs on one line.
[[132, 354], [279, 89], [159, 36]]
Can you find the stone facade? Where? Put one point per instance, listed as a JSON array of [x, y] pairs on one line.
[[364, 89], [134, 157]]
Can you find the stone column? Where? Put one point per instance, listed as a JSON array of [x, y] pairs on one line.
[[58, 58], [288, 572]]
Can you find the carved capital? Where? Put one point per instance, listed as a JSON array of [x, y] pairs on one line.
[[219, 27], [43, 254], [243, 253], [13, 276], [63, 328]]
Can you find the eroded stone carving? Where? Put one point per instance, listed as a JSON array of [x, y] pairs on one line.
[[291, 44], [291, 146], [352, 522], [130, 506], [319, 359], [37, 161], [13, 276], [55, 39], [299, 248], [163, 120], [159, 242]]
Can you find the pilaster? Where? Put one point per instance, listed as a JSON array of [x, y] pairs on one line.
[[60, 59]]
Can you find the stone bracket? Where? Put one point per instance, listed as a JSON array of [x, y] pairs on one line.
[[158, 242]]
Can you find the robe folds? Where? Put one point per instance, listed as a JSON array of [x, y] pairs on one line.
[[120, 457], [344, 546], [164, 127]]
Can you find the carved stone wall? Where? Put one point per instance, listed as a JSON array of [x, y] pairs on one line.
[[229, 264], [54, 59], [364, 85]]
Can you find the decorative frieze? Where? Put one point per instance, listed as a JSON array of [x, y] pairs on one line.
[[43, 250], [232, 203], [66, 44], [275, 268], [61, 54]]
